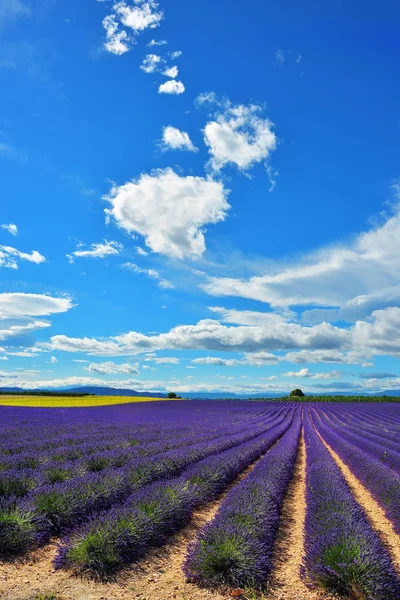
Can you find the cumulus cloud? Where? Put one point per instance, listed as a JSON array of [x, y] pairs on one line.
[[169, 210], [100, 250], [151, 63], [238, 135], [11, 228], [172, 87], [171, 72], [145, 15], [351, 279], [9, 257], [110, 368], [53, 360], [152, 273], [117, 41], [175, 139], [20, 305], [211, 335]]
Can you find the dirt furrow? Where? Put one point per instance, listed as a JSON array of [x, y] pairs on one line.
[[286, 583], [158, 576], [376, 515]]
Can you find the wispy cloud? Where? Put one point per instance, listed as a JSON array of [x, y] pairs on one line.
[[12, 10], [153, 43], [99, 250], [152, 273], [280, 56], [11, 228], [354, 278], [9, 257]]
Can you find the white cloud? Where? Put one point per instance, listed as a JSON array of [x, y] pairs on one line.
[[280, 57], [153, 43], [251, 317], [151, 63], [100, 250], [171, 87], [261, 359], [17, 330], [19, 305], [238, 135], [171, 72], [152, 273], [356, 277], [306, 373], [163, 360], [175, 139], [9, 257], [11, 228], [377, 375], [23, 354], [176, 54], [217, 362], [211, 335], [110, 368], [140, 251], [145, 15], [170, 211], [323, 356], [139, 18], [53, 360], [117, 42]]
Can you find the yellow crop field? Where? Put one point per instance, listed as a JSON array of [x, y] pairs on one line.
[[70, 402]]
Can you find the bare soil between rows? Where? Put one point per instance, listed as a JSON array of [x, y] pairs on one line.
[[159, 576]]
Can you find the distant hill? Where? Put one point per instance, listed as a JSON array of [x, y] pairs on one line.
[[98, 391], [108, 391]]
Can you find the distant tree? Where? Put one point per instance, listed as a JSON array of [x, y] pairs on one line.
[[171, 395], [297, 393]]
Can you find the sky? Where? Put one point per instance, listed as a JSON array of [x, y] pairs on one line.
[[200, 196]]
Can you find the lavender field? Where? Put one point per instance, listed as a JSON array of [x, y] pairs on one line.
[[106, 486]]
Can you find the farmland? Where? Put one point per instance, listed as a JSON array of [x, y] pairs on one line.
[[70, 401], [196, 500]]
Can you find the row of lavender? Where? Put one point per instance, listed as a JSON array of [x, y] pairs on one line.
[[149, 517], [374, 464], [48, 455], [126, 514], [49, 509], [342, 552], [27, 471]]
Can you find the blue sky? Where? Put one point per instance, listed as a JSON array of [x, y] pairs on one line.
[[200, 196]]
